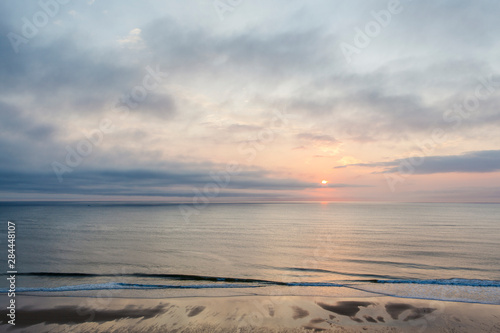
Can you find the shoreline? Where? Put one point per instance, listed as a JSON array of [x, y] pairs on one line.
[[250, 314]]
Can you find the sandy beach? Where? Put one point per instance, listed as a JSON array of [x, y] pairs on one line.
[[250, 314]]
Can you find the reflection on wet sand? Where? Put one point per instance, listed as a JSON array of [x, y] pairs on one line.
[[262, 314]]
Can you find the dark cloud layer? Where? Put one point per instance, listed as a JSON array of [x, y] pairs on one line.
[[185, 183], [476, 161]]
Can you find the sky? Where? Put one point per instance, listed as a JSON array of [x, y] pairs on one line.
[[241, 101]]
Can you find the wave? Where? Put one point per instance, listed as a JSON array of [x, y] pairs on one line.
[[182, 277], [448, 282], [119, 285], [227, 282]]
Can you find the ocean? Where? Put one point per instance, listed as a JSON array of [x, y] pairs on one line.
[[440, 251]]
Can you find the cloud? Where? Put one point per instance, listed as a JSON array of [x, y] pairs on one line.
[[25, 140], [14, 123], [181, 183], [243, 127], [133, 40], [470, 162], [224, 82], [317, 137], [160, 105], [243, 54]]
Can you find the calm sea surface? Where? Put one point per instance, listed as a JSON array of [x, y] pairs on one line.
[[435, 251]]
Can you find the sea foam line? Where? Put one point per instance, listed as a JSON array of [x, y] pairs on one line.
[[118, 285]]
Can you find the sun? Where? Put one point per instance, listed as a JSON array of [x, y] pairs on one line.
[[324, 182]]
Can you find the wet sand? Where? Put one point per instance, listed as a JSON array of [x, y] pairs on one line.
[[249, 314]]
